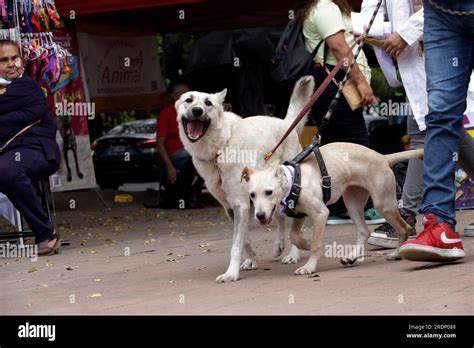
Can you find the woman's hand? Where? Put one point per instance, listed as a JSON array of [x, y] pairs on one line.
[[366, 93], [2, 90]]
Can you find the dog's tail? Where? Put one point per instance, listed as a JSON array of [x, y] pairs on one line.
[[394, 158], [302, 92]]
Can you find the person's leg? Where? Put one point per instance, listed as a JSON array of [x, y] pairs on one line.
[[183, 188], [413, 186], [385, 235], [448, 62], [19, 168]]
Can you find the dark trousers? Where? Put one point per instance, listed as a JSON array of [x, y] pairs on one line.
[[185, 187], [18, 169], [345, 124]]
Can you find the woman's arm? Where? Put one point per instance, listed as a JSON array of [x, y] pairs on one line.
[[18, 94], [338, 45], [25, 116]]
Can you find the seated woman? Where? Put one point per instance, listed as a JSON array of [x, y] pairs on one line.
[[26, 154]]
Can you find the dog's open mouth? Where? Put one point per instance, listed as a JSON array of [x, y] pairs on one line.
[[195, 129], [268, 221]]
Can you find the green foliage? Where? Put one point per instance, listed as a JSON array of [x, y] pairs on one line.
[[380, 86]]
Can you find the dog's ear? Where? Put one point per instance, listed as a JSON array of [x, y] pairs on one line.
[[221, 96], [277, 169], [275, 164], [246, 172]]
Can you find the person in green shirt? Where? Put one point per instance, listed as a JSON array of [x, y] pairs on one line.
[[328, 22]]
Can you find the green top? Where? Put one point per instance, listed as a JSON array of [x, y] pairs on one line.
[[325, 19]]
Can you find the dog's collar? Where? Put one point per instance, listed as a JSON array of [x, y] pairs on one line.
[[293, 196], [294, 191], [290, 174]]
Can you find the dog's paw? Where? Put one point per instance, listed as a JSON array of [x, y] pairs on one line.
[[291, 258], [348, 260], [305, 270], [393, 256], [278, 249], [227, 278], [249, 265]]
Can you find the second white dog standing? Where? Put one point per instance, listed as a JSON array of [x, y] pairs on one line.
[[356, 172]]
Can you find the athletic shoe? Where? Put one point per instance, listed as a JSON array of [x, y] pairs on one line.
[[386, 236], [469, 231], [372, 217], [341, 219], [437, 243]]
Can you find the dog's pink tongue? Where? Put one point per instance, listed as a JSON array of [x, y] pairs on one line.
[[195, 128]]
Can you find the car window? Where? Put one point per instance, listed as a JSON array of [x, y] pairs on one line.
[[134, 128]]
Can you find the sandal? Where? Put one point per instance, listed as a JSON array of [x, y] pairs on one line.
[[45, 250]]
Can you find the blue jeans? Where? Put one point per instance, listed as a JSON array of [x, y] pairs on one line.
[[448, 62]]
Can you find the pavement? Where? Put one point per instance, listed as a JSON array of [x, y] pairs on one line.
[[133, 260]]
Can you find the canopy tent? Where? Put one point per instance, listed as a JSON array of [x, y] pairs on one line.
[[199, 15], [246, 29]]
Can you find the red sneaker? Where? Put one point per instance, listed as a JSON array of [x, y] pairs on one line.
[[437, 243]]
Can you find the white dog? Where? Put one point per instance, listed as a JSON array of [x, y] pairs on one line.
[[356, 172], [222, 143]]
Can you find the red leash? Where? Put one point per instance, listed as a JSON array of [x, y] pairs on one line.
[[313, 99]]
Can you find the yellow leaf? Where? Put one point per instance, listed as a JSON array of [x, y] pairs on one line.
[[95, 295]]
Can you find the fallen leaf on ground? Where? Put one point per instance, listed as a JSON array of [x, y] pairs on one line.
[[97, 280], [168, 254], [95, 295], [32, 269], [201, 268]]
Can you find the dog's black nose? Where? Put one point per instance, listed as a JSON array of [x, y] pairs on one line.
[[260, 216], [197, 111]]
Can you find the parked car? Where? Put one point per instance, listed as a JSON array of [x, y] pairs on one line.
[[127, 153]]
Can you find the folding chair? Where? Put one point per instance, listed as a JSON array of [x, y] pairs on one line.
[[44, 191]]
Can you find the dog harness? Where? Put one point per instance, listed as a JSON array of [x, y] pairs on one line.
[[294, 194]]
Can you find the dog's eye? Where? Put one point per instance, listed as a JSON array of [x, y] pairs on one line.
[[189, 100], [268, 192], [208, 103], [252, 195]]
